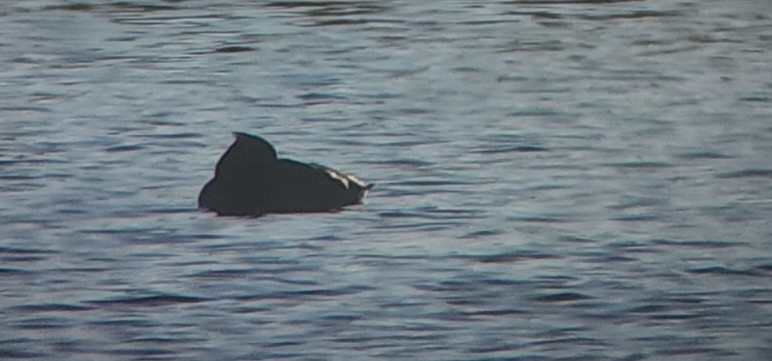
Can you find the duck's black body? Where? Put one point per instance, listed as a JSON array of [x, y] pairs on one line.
[[249, 180]]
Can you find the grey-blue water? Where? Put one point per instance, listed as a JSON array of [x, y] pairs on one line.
[[556, 180]]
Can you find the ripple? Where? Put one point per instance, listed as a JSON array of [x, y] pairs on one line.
[[539, 218], [114, 6], [747, 173], [7, 271], [143, 352], [498, 312], [149, 301], [8, 354], [511, 257], [25, 251], [43, 323], [307, 293], [224, 273], [639, 164], [635, 14], [697, 243], [704, 155], [562, 297], [51, 307], [720, 270], [482, 234], [511, 149], [124, 148], [234, 49]]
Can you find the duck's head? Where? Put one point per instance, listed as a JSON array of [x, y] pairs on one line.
[[246, 152], [253, 147]]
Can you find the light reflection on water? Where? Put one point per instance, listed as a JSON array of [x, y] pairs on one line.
[[579, 180]]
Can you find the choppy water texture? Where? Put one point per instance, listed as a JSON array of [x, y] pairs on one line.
[[573, 180]]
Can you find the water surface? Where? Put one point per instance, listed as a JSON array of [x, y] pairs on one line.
[[556, 180]]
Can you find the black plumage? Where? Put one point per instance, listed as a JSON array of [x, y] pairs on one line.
[[250, 180]]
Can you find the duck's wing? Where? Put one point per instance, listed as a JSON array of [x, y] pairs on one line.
[[348, 181]]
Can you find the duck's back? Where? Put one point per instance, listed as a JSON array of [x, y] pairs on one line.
[[310, 188], [288, 186]]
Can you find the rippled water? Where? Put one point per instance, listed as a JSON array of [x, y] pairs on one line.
[[573, 180]]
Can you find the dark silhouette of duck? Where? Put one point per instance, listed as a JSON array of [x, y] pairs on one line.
[[249, 180]]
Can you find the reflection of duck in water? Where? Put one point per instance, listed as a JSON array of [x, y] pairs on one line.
[[249, 180]]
